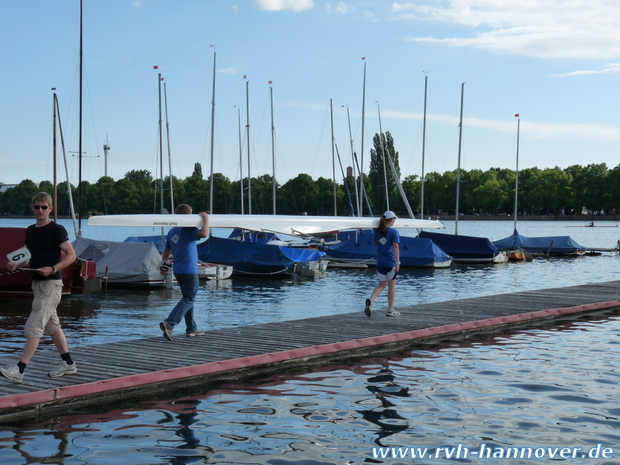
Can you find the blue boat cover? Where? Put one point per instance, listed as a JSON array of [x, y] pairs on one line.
[[463, 247], [414, 251], [555, 245], [255, 257]]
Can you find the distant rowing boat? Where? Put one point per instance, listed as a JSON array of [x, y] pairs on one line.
[[593, 226]]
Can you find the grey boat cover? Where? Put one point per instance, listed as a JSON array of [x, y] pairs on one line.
[[126, 262]]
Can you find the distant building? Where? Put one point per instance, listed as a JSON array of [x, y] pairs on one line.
[[5, 187]]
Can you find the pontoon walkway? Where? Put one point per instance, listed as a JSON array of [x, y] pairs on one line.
[[132, 369]]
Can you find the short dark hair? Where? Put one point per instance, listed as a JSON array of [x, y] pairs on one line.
[[183, 209]]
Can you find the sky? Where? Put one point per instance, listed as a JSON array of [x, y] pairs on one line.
[[554, 63]]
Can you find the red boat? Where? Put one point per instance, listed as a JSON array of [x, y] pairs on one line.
[[79, 278]]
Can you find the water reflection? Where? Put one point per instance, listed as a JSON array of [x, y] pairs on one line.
[[552, 387]]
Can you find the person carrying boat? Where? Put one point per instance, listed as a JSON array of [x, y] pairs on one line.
[[387, 240], [181, 244], [50, 251]]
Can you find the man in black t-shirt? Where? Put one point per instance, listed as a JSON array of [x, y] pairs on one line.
[[46, 241]]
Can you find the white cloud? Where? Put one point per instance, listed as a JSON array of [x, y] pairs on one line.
[[228, 70], [587, 29], [532, 128], [280, 5], [611, 68], [341, 8]]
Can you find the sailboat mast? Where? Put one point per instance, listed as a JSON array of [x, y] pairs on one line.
[[353, 163], [55, 162], [273, 150], [212, 138], [79, 233], [240, 159], [385, 179], [362, 146], [169, 155], [331, 113], [458, 169], [517, 171], [247, 104], [423, 150], [161, 150], [64, 155]]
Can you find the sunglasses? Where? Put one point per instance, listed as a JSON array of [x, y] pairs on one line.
[[40, 207]]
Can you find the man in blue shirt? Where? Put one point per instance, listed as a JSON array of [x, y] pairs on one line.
[[181, 245]]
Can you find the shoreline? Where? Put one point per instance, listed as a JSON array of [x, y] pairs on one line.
[[499, 217]]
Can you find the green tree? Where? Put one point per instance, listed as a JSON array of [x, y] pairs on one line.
[[613, 187], [222, 194], [412, 186], [126, 198], [299, 195], [380, 170], [440, 192], [17, 200], [197, 170], [197, 193], [103, 191]]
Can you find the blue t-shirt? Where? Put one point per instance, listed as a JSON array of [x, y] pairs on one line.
[[182, 244], [385, 251]]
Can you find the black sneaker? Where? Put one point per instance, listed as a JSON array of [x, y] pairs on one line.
[[167, 329], [367, 309]]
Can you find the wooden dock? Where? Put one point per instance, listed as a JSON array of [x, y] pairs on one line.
[[137, 368]]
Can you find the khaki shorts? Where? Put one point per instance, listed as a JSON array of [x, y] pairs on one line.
[[43, 318]]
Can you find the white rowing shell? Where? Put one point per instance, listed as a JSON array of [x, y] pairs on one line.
[[284, 224]]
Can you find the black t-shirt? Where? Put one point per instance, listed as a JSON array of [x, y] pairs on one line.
[[44, 246]]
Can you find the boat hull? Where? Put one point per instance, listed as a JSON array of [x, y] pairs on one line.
[[359, 247]]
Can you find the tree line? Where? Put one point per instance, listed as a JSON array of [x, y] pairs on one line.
[[573, 190]]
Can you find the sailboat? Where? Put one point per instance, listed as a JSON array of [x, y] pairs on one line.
[[465, 249], [78, 278], [358, 247], [516, 244], [248, 251], [118, 263]]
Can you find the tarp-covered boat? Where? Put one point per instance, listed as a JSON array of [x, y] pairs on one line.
[[360, 247], [123, 263], [551, 245], [259, 258], [205, 270], [466, 249]]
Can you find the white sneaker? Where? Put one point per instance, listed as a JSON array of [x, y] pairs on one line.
[[195, 333], [12, 374], [392, 313], [63, 369]]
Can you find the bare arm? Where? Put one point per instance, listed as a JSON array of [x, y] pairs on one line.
[[204, 230], [64, 262], [396, 248]]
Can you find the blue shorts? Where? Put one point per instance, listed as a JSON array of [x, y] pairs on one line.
[[386, 273]]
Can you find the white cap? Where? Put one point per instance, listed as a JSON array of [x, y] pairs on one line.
[[388, 215]]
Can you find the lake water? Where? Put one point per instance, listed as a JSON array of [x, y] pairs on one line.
[[547, 388]]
